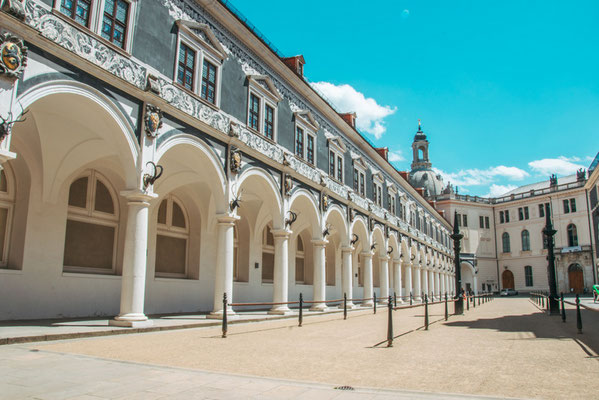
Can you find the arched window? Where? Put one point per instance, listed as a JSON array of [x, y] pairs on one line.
[[268, 254], [528, 275], [172, 238], [299, 260], [572, 235], [525, 240], [7, 200], [92, 226], [505, 238]]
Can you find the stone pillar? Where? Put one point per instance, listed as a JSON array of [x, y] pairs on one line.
[[8, 96], [424, 281], [442, 283], [431, 284], [133, 282], [223, 282], [438, 283], [347, 275], [397, 284], [409, 287], [368, 288], [475, 283], [281, 272], [418, 282], [384, 274], [319, 275]]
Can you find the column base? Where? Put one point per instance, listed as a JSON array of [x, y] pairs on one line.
[[319, 307], [219, 315], [280, 311], [350, 306], [368, 304], [131, 321]]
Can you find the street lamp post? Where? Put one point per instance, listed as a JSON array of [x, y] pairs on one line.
[[549, 232], [456, 236]]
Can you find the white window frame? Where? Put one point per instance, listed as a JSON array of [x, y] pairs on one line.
[[212, 52], [173, 231], [91, 216], [392, 195], [360, 166], [339, 154], [7, 201], [96, 14], [377, 184], [265, 97], [309, 126]]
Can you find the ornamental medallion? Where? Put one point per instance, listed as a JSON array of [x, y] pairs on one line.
[[153, 120], [13, 55]]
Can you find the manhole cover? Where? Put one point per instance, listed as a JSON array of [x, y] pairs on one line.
[[344, 388]]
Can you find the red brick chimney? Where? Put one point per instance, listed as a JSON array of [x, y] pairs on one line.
[[296, 64], [383, 152], [404, 175], [350, 118], [420, 191]]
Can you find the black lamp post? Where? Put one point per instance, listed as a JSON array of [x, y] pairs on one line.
[[456, 236], [549, 232]]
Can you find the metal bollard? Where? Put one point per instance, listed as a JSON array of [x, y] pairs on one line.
[[474, 301], [394, 299], [410, 298], [446, 313], [578, 316], [390, 325], [479, 300], [301, 309], [426, 312], [344, 305], [224, 315], [542, 302], [467, 302], [374, 300], [563, 307]]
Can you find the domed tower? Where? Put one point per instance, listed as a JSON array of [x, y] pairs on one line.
[[422, 174]]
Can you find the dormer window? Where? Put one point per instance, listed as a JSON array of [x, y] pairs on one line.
[[359, 176], [199, 61], [305, 136], [110, 19], [336, 151], [377, 182], [391, 197], [262, 105]]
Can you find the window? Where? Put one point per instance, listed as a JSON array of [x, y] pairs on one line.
[[299, 142], [186, 68], [523, 213], [505, 238], [566, 206], [268, 255], [391, 200], [305, 136], [569, 206], [541, 211], [526, 215], [208, 92], [310, 149], [172, 238], [462, 220], [110, 19], [6, 210], [528, 275], [377, 192], [299, 261], [525, 240], [481, 221], [544, 237], [359, 179], [269, 127], [263, 98], [92, 226], [507, 216], [335, 166], [572, 235], [501, 217], [254, 114], [487, 225]]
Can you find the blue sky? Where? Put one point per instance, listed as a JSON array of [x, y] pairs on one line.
[[507, 91]]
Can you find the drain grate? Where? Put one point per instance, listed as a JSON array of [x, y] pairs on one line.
[[344, 388]]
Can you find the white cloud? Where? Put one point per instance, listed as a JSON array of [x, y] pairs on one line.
[[370, 115], [561, 165], [499, 190], [395, 156], [475, 177]]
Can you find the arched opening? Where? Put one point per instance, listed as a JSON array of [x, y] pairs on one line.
[[420, 153], [172, 239], [300, 261], [505, 240], [572, 235], [507, 279], [304, 258], [268, 254], [525, 240], [575, 278], [7, 201]]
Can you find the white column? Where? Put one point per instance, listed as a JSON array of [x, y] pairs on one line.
[[347, 274], [431, 285], [133, 282], [397, 284], [425, 282], [8, 95], [475, 286], [442, 283], [409, 287], [281, 272], [368, 288], [319, 275], [384, 274], [438, 284], [417, 282], [223, 282]]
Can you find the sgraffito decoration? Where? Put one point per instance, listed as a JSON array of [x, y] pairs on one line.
[[153, 120], [13, 55]]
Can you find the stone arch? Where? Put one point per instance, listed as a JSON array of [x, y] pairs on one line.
[[378, 237]]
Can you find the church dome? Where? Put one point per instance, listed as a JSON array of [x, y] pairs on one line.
[[428, 180]]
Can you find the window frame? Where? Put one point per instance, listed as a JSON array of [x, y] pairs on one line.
[[266, 98], [506, 246], [377, 187], [177, 232], [338, 154], [528, 277], [525, 239], [309, 128]]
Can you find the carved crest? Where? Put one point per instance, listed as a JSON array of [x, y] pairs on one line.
[[15, 8], [287, 185], [13, 55], [152, 84], [235, 160], [324, 202], [233, 129], [153, 120]]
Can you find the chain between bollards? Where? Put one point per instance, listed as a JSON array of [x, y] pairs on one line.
[[301, 309], [374, 301], [344, 305], [578, 316], [446, 311], [224, 315], [390, 325], [426, 312], [563, 307]]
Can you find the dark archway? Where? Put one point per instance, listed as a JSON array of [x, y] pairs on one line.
[[507, 279]]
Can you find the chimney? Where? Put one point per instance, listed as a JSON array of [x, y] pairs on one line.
[[383, 152], [350, 118], [296, 64], [404, 175], [420, 191]]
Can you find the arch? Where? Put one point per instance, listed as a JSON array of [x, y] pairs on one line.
[[572, 235], [172, 239], [7, 205], [507, 279], [259, 186], [505, 241], [575, 278], [525, 236], [336, 217], [305, 205]]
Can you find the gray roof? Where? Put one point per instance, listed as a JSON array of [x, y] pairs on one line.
[[541, 185]]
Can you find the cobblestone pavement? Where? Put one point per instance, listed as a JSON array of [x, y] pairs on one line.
[[507, 347]]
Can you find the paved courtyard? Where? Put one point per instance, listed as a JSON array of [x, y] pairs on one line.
[[505, 348]]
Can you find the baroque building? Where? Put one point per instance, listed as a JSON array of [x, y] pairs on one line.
[[158, 154]]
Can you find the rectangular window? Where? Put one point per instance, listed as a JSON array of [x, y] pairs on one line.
[[186, 66], [356, 174], [573, 205], [528, 275], [481, 221], [114, 22], [526, 215], [299, 142], [209, 82], [465, 220], [501, 218], [339, 169], [310, 149], [331, 163], [269, 119], [362, 184], [77, 10], [541, 211], [380, 197], [487, 222], [507, 216], [566, 206], [520, 214], [254, 117], [458, 220]]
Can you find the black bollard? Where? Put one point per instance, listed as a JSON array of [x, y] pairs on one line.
[[446, 313], [474, 301], [542, 302], [467, 302], [301, 309], [225, 315], [394, 299], [390, 325], [563, 307], [426, 312], [479, 300], [410, 298], [578, 316], [374, 300], [344, 305]]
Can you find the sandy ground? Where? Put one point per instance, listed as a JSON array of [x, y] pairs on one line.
[[507, 347]]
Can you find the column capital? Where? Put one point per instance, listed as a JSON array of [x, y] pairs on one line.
[[138, 196], [367, 254], [384, 258], [6, 155], [347, 249], [396, 261], [227, 218], [320, 242], [281, 233]]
